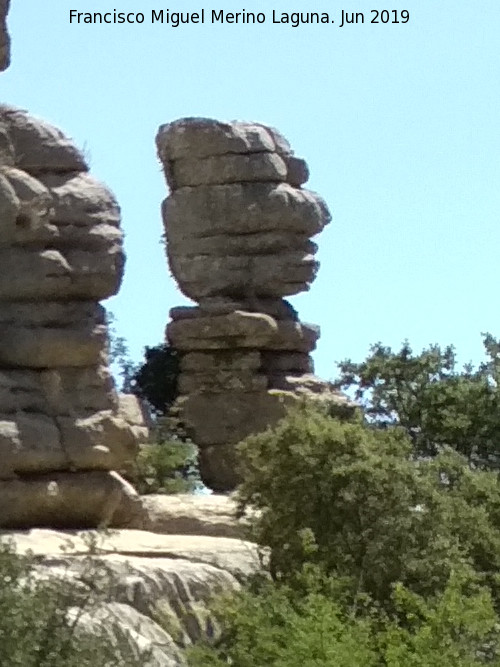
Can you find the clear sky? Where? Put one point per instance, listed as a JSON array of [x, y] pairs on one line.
[[400, 125]]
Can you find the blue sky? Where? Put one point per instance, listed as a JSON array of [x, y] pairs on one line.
[[400, 125]]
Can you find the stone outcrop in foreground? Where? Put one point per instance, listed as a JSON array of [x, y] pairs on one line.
[[4, 36], [238, 227], [62, 439], [161, 585]]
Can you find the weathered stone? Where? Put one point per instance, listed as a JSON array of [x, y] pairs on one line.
[[80, 200], [249, 208], [9, 208], [188, 514], [98, 442], [57, 392], [29, 443], [228, 417], [297, 171], [148, 578], [247, 245], [60, 252], [212, 362], [52, 335], [219, 467], [275, 363], [4, 36], [64, 500], [241, 329], [30, 275], [277, 275], [134, 412], [230, 168], [223, 380], [36, 443], [38, 146], [203, 137]]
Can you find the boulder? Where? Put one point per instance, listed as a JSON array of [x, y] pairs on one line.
[[241, 330], [187, 514], [66, 500], [39, 147]]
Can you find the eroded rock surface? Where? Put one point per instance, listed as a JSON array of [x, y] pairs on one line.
[[63, 439], [238, 226], [158, 587]]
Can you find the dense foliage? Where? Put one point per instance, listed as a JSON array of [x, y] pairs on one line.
[[435, 402], [169, 463], [381, 533]]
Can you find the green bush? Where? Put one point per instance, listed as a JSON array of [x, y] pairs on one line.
[[40, 621], [166, 467], [277, 626]]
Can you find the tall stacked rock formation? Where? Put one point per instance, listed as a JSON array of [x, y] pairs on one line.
[[62, 440], [238, 227]]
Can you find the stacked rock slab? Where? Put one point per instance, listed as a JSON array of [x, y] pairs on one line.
[[62, 441], [238, 229]]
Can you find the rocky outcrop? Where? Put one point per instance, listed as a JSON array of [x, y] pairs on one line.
[[238, 227], [188, 514], [158, 588], [4, 36], [61, 432]]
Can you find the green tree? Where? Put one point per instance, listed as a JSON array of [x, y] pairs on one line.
[[156, 380], [437, 404]]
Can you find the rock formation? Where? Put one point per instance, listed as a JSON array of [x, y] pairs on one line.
[[238, 227], [161, 586], [61, 435], [4, 36]]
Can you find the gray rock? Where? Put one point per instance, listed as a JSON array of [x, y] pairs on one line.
[[230, 168], [38, 146], [250, 208], [238, 228], [61, 251], [65, 500], [203, 137]]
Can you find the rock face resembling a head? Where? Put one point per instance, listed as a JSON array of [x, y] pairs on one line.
[[62, 437], [4, 36], [238, 226]]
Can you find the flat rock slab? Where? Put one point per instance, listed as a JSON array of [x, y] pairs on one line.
[[187, 514], [236, 556]]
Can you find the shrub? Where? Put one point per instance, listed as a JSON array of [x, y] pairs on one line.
[[352, 500], [277, 626]]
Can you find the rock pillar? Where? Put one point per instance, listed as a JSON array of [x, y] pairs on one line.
[[238, 228], [62, 440]]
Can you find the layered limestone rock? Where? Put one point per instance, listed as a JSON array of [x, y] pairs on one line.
[[157, 589], [61, 431], [238, 226], [4, 36]]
